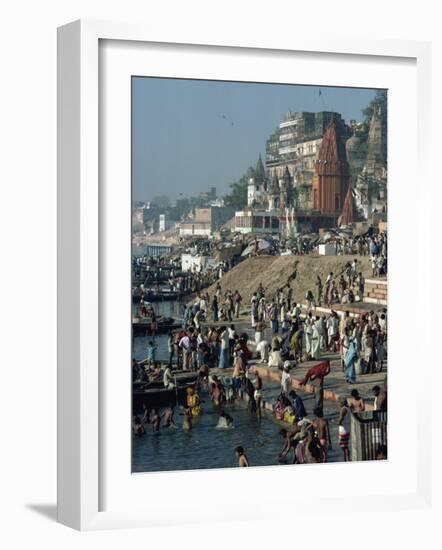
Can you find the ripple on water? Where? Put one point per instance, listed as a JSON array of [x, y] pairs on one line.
[[205, 446]]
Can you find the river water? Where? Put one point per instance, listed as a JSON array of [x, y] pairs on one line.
[[170, 308], [205, 446]]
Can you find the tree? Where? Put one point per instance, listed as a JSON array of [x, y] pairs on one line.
[[161, 202], [181, 209], [237, 198], [379, 100]]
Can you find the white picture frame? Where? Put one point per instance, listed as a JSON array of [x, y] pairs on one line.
[[80, 207]]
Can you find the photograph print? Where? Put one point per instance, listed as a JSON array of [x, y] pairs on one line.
[[259, 274]]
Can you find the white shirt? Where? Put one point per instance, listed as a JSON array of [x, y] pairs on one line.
[[308, 326], [286, 381], [167, 378], [184, 342], [295, 311], [225, 340]]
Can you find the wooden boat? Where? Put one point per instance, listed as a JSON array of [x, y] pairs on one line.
[[158, 396], [154, 295], [142, 325]]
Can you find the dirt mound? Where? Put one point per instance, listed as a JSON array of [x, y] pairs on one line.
[[274, 272]]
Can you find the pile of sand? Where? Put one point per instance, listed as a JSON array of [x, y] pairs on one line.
[[274, 272]]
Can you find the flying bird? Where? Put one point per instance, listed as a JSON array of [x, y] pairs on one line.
[[227, 120]]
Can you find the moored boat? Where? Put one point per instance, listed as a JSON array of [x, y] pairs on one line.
[[141, 325], [155, 395]]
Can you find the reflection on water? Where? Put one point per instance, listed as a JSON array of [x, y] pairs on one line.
[[205, 446]]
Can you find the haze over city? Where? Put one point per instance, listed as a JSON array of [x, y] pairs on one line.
[[189, 135]]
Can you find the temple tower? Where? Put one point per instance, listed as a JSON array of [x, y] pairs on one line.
[[259, 171], [274, 194], [331, 179], [376, 160], [285, 185], [348, 215]]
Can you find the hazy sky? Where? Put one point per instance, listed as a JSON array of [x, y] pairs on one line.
[[189, 135]]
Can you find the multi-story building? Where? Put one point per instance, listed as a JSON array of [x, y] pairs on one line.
[[295, 143], [196, 263], [208, 196], [205, 221], [257, 221], [317, 176], [370, 185]]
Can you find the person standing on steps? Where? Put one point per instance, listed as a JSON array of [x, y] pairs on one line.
[[344, 428]]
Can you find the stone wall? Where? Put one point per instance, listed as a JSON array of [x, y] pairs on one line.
[[376, 291]]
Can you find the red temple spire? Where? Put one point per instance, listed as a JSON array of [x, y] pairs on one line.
[[331, 180], [348, 211]]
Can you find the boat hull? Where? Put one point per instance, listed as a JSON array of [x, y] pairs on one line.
[[159, 397]]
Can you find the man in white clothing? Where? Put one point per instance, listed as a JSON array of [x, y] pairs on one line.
[[316, 338], [286, 379], [308, 333]]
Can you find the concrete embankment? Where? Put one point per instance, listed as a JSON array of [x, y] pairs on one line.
[[339, 388]]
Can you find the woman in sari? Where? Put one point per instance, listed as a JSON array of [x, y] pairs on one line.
[[331, 292], [349, 363], [344, 343], [224, 358]]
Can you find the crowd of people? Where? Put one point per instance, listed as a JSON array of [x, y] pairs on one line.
[[161, 277], [185, 283], [201, 349], [363, 245], [285, 333], [361, 340], [345, 244]]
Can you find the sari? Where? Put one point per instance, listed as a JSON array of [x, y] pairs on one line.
[[349, 363]]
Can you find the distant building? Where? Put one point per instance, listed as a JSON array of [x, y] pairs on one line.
[[356, 152], [319, 170], [256, 194], [370, 186], [296, 142], [205, 221], [376, 161], [196, 263], [349, 213], [137, 216], [162, 223], [217, 202], [254, 221], [158, 250], [209, 196]]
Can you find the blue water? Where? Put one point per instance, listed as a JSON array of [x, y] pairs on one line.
[[167, 309], [205, 446]]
